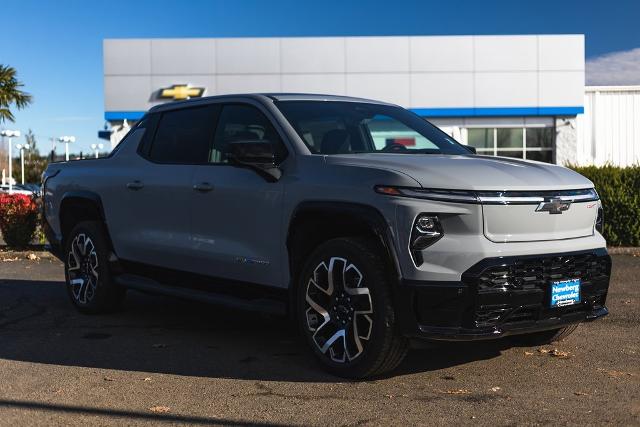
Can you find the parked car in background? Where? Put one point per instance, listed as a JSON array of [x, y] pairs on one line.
[[365, 223], [26, 189]]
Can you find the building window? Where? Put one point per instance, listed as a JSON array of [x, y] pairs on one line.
[[532, 143]]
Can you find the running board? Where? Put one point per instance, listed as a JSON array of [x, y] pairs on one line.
[[144, 284]]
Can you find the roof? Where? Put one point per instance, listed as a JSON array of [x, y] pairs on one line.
[[263, 96]]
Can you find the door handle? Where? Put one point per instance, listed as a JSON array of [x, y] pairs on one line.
[[203, 187], [135, 185]]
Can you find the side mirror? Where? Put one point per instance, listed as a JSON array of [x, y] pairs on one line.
[[471, 149], [259, 155]]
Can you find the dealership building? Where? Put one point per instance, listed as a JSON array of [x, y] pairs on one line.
[[516, 96]]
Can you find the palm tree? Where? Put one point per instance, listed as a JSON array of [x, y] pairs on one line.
[[10, 93]]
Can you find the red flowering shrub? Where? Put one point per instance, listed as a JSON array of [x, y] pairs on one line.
[[18, 219]]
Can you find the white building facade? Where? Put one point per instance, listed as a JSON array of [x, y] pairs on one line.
[[517, 96], [609, 129]]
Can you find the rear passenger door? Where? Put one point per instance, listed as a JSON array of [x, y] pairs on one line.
[[236, 213], [158, 188]]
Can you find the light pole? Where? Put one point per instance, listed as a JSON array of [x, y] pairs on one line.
[[96, 148], [10, 134], [22, 147], [67, 140]]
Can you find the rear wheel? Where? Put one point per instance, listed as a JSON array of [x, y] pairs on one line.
[[544, 337], [345, 310], [87, 271]]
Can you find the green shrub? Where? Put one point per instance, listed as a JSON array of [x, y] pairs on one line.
[[619, 190]]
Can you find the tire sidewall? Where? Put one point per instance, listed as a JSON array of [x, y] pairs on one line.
[[376, 279]]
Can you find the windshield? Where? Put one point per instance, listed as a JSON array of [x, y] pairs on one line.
[[353, 127]]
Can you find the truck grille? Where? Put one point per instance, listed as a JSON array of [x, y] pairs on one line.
[[529, 274], [516, 289]]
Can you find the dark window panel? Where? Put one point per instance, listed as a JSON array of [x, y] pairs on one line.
[[183, 136], [509, 137]]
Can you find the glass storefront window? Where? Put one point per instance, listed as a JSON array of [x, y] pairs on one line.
[[480, 138], [540, 137], [509, 138], [517, 154], [540, 156], [531, 143]]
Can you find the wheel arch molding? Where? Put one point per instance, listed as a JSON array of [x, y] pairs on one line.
[[313, 222], [77, 206]]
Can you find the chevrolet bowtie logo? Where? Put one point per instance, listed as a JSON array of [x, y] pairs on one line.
[[554, 206], [180, 92]]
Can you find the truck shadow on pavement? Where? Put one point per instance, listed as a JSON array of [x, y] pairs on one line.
[[125, 416], [155, 334]]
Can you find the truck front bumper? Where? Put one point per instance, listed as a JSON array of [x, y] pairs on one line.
[[504, 296]]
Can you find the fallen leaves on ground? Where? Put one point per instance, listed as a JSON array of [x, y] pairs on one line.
[[32, 257], [147, 379], [560, 354], [528, 353], [160, 409], [10, 259], [495, 389]]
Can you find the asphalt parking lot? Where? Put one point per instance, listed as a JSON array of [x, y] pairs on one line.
[[167, 361]]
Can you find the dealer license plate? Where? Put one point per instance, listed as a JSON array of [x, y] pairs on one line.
[[565, 292]]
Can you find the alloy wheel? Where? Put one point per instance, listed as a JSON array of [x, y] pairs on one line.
[[338, 310], [82, 269]]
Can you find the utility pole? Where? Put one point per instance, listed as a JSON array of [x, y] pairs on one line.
[[10, 134]]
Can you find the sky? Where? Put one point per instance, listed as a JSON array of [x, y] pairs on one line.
[[56, 46]]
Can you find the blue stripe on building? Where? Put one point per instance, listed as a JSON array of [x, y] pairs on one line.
[[431, 112]]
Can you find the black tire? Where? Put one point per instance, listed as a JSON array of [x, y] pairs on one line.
[[87, 273], [381, 349], [544, 337]]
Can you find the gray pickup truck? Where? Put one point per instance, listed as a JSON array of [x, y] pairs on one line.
[[363, 222]]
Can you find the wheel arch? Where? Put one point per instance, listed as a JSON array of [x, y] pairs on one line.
[[78, 206], [313, 222]]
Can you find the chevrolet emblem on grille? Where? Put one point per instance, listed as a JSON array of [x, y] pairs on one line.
[[553, 206]]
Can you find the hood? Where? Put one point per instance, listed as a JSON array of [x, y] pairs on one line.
[[469, 172]]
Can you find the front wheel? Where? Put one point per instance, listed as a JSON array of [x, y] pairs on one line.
[[87, 270], [345, 310]]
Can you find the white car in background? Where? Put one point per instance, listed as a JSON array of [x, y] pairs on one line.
[[19, 189]]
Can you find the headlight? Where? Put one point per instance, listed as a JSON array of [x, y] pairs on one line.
[[421, 193], [425, 232]]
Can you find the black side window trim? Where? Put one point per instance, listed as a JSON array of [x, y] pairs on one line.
[[264, 112], [150, 123], [144, 147], [146, 144]]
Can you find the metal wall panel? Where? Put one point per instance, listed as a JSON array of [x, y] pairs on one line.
[[609, 130], [183, 56], [443, 75]]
